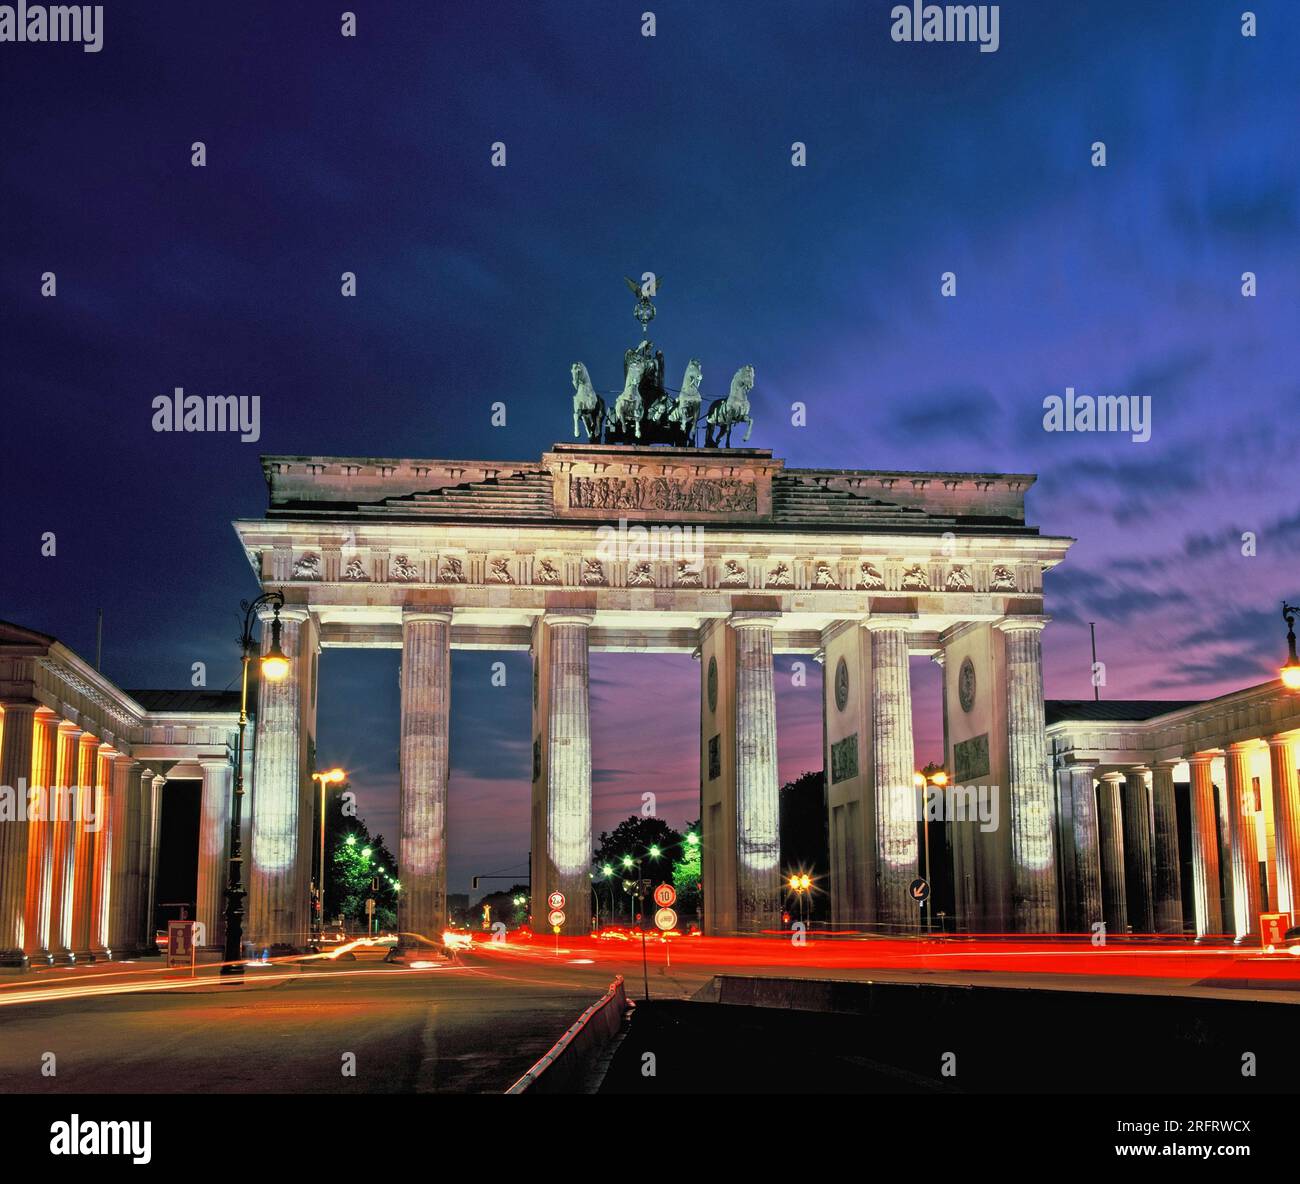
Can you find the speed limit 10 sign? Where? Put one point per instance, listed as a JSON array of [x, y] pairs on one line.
[[665, 895], [556, 900]]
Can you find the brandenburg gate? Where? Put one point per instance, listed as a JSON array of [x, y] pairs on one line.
[[723, 553]]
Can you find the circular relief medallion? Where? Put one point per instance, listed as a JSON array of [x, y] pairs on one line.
[[713, 684], [841, 684], [966, 685]]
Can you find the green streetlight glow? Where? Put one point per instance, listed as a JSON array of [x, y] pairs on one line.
[[654, 852], [609, 871], [693, 839], [627, 861], [352, 840]]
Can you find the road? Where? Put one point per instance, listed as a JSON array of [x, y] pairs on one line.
[[476, 1025]]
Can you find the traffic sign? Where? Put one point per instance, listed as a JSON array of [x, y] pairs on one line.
[[665, 895], [370, 906], [666, 919], [920, 890], [556, 900], [556, 916]]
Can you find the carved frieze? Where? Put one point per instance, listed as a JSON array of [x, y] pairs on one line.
[[733, 574], [593, 572], [958, 580], [720, 495], [641, 575], [355, 570], [307, 567], [546, 572], [825, 576], [1004, 579], [688, 575], [499, 571], [915, 578], [844, 758], [451, 570], [779, 576], [869, 577], [404, 569]]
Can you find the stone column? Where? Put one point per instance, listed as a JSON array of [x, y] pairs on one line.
[[758, 842], [40, 859], [120, 938], [1245, 842], [63, 812], [1087, 846], [16, 741], [276, 911], [137, 815], [1111, 829], [1033, 854], [101, 862], [1167, 881], [1205, 848], [1286, 821], [151, 791], [214, 849], [83, 843], [1138, 825], [895, 760], [425, 763]]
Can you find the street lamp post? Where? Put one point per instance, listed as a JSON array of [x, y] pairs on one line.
[[1290, 672], [929, 776], [274, 667], [332, 776]]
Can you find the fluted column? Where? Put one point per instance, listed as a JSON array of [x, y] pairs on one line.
[[276, 909], [152, 791], [425, 768], [40, 857], [895, 760], [1282, 753], [101, 860], [120, 938], [83, 844], [1244, 840], [1111, 831], [63, 816], [1033, 854], [1205, 848], [1138, 825], [1167, 878], [137, 875], [17, 732], [758, 842], [1087, 846], [214, 844]]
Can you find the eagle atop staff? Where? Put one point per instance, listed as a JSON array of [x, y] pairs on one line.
[[644, 311]]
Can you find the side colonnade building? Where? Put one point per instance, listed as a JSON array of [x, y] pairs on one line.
[[1179, 817], [83, 769]]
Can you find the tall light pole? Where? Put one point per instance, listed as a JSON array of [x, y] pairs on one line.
[[1290, 672], [930, 775], [274, 667], [332, 777]]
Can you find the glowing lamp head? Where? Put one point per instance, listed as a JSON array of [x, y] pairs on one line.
[[940, 778], [794, 883], [609, 871], [627, 861], [352, 840], [654, 852], [918, 779], [693, 839], [275, 662], [805, 881], [1290, 673], [365, 852]]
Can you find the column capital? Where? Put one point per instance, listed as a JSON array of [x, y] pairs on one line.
[[753, 619], [439, 615], [1241, 746], [1281, 739], [568, 617], [1111, 775], [1081, 767], [1201, 758], [216, 763], [290, 612], [904, 622], [1010, 624]]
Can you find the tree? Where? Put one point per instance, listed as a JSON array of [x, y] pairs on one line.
[[356, 859], [805, 846], [651, 842], [688, 874]]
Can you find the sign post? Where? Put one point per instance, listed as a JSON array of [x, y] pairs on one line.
[[1272, 928], [180, 945]]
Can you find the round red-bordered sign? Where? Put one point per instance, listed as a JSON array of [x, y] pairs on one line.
[[665, 895], [556, 900], [556, 918]]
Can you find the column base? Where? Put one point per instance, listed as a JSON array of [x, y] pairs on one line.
[[40, 958], [14, 959], [62, 958], [83, 957]]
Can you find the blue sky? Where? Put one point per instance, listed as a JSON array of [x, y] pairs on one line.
[[672, 153]]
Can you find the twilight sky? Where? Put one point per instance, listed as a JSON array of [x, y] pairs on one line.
[[624, 154]]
